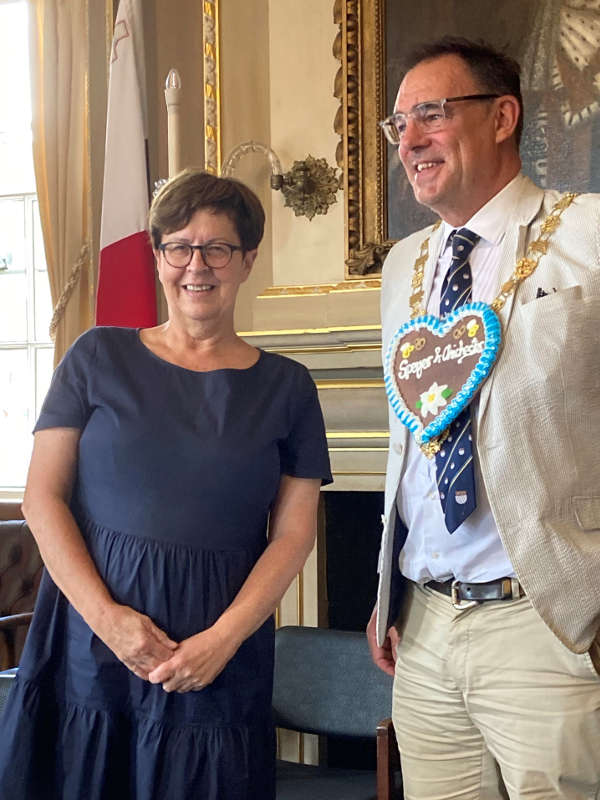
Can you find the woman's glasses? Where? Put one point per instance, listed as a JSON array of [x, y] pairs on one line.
[[215, 255]]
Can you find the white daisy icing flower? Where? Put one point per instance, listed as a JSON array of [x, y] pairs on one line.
[[433, 399]]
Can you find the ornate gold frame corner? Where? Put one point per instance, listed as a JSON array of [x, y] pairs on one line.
[[360, 85]]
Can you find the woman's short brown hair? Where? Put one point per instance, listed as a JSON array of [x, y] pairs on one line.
[[193, 190]]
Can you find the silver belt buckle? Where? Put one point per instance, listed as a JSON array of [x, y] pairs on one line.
[[459, 604]]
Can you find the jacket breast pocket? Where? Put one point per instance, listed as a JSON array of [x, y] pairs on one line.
[[554, 299], [559, 333]]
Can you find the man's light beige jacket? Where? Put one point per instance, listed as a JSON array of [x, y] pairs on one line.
[[538, 427]]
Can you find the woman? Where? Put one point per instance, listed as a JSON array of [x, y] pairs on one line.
[[160, 456]]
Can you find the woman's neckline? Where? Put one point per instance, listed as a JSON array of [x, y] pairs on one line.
[[155, 356]]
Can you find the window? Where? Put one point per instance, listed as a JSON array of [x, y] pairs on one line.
[[26, 352]]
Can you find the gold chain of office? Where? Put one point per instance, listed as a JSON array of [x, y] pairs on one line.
[[524, 267]]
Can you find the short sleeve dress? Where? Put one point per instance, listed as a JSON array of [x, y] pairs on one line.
[[177, 472]]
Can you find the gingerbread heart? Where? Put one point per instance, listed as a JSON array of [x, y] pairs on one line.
[[433, 366]]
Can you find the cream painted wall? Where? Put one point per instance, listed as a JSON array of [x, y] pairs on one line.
[[277, 73], [245, 115], [173, 39], [303, 108]]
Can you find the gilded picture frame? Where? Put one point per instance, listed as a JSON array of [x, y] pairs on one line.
[[556, 42], [361, 154]]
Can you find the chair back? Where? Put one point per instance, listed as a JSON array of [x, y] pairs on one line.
[[20, 574], [326, 683], [20, 567]]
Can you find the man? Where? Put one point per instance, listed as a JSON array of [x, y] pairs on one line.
[[500, 695]]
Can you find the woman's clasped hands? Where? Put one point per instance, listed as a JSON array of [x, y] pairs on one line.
[[195, 663], [134, 639], [150, 654]]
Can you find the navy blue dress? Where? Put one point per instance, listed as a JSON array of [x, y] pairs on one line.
[[177, 472]]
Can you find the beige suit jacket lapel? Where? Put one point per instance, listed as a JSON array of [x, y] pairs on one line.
[[514, 245]]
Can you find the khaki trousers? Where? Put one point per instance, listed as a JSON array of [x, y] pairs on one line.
[[488, 704]]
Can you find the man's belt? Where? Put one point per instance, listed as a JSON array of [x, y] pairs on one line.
[[465, 595]]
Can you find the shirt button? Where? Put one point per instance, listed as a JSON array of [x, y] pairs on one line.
[[435, 555], [398, 448]]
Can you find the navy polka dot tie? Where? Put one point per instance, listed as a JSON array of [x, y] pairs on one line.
[[454, 461]]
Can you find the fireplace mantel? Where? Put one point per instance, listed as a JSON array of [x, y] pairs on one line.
[[345, 363]]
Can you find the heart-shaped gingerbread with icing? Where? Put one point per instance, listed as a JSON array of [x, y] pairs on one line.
[[433, 366]]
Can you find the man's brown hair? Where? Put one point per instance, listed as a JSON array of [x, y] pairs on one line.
[[494, 71]]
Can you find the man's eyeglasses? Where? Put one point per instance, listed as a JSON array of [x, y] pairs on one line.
[[215, 255], [429, 116]]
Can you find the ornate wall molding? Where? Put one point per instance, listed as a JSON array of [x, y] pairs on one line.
[[355, 285], [212, 89]]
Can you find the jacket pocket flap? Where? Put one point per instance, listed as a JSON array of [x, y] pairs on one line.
[[587, 512]]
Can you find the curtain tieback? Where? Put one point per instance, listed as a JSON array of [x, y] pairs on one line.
[[65, 295]]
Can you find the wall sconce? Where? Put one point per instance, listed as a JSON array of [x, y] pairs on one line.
[[309, 187]]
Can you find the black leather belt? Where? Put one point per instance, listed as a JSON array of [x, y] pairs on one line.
[[466, 594]]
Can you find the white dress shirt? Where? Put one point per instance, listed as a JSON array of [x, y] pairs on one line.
[[474, 552]]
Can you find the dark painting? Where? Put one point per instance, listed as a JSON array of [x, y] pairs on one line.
[[557, 43]]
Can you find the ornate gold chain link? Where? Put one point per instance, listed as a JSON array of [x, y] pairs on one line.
[[524, 267]]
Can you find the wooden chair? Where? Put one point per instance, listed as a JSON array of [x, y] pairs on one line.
[[388, 762], [325, 683], [10, 510]]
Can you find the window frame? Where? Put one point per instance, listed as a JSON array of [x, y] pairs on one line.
[[31, 344]]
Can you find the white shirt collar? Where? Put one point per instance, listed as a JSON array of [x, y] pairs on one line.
[[490, 221]]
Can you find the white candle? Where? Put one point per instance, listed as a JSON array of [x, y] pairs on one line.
[[173, 98]]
